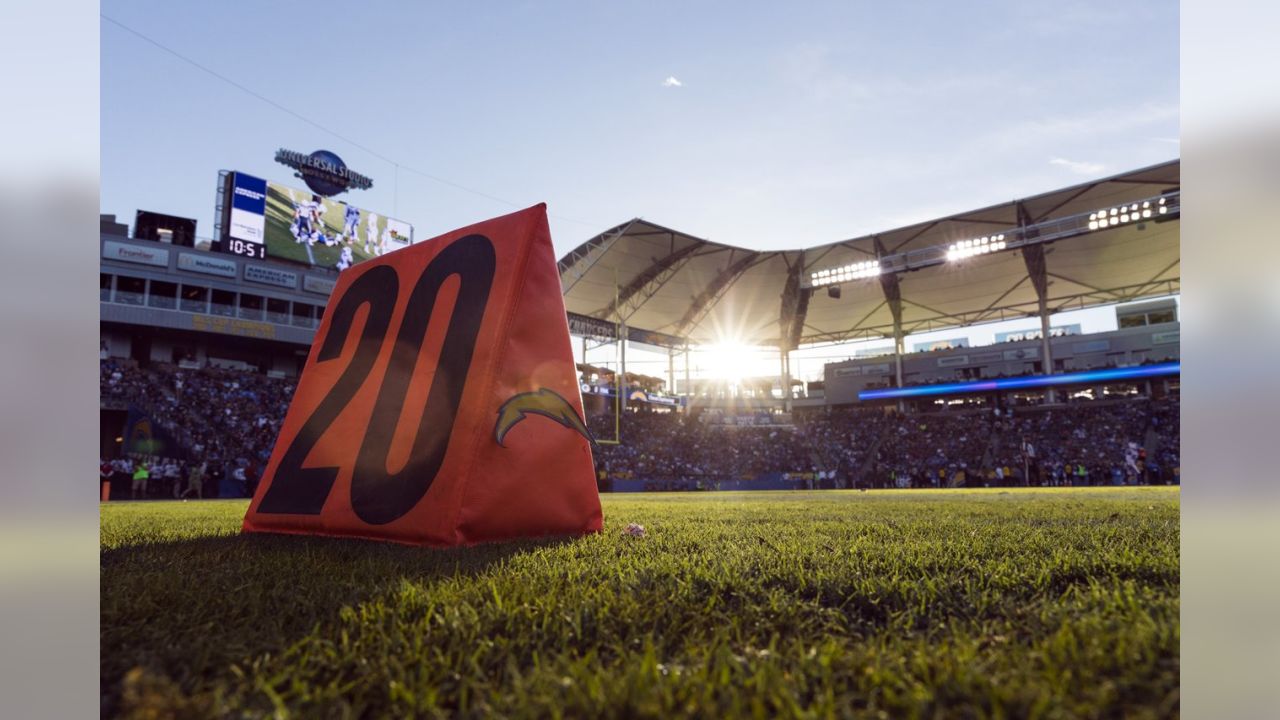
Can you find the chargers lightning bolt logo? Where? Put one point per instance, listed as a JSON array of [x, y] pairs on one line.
[[544, 402]]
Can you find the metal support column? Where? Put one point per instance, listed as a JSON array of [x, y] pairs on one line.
[[1045, 348], [1034, 258], [899, 347], [688, 388], [621, 377], [893, 298], [782, 377], [794, 309], [623, 386], [898, 350], [671, 371], [787, 392]]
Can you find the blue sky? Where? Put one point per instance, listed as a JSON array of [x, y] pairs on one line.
[[790, 126]]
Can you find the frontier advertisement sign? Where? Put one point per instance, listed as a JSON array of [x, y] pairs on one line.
[[124, 252]]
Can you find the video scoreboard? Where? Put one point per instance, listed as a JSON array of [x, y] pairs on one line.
[[262, 218]]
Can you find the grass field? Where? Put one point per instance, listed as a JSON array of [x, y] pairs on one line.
[[1026, 603]]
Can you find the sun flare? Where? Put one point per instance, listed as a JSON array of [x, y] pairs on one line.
[[727, 360]]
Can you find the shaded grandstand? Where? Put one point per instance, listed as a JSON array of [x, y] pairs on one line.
[[209, 351]]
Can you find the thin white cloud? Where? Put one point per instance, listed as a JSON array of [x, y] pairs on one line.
[[671, 81], [1170, 140], [1079, 167]]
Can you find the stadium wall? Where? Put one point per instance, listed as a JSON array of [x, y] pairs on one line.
[[159, 302], [146, 315], [1118, 348]]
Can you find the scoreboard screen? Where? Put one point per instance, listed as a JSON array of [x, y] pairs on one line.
[[262, 218]]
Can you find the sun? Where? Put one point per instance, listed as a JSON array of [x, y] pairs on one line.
[[726, 360]]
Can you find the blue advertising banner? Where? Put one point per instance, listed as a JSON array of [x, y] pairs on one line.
[[248, 221]]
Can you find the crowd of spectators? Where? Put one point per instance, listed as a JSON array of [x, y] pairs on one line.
[[1108, 442], [224, 424], [225, 419], [841, 440], [931, 450], [1113, 442], [678, 451]]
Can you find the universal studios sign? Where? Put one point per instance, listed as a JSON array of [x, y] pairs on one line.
[[323, 172]]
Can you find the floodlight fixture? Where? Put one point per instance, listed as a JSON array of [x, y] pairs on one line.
[[977, 246], [846, 273], [1124, 214]]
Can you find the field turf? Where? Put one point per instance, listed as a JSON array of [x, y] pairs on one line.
[[1021, 603]]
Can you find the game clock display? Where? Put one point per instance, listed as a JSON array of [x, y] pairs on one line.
[[244, 248]]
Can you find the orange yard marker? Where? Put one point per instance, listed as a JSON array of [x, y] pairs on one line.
[[440, 402]]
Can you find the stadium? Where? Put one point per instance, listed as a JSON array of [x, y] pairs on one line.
[[828, 487]]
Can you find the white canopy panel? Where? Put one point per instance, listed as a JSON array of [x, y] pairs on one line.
[[653, 277]]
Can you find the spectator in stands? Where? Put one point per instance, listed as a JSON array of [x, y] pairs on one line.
[[105, 471], [141, 474], [123, 472], [213, 479], [241, 481], [195, 481], [172, 478]]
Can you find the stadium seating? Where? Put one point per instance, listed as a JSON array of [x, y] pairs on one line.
[[230, 419], [227, 418], [869, 448]]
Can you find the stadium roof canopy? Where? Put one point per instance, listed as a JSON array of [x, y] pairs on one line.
[[659, 279]]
